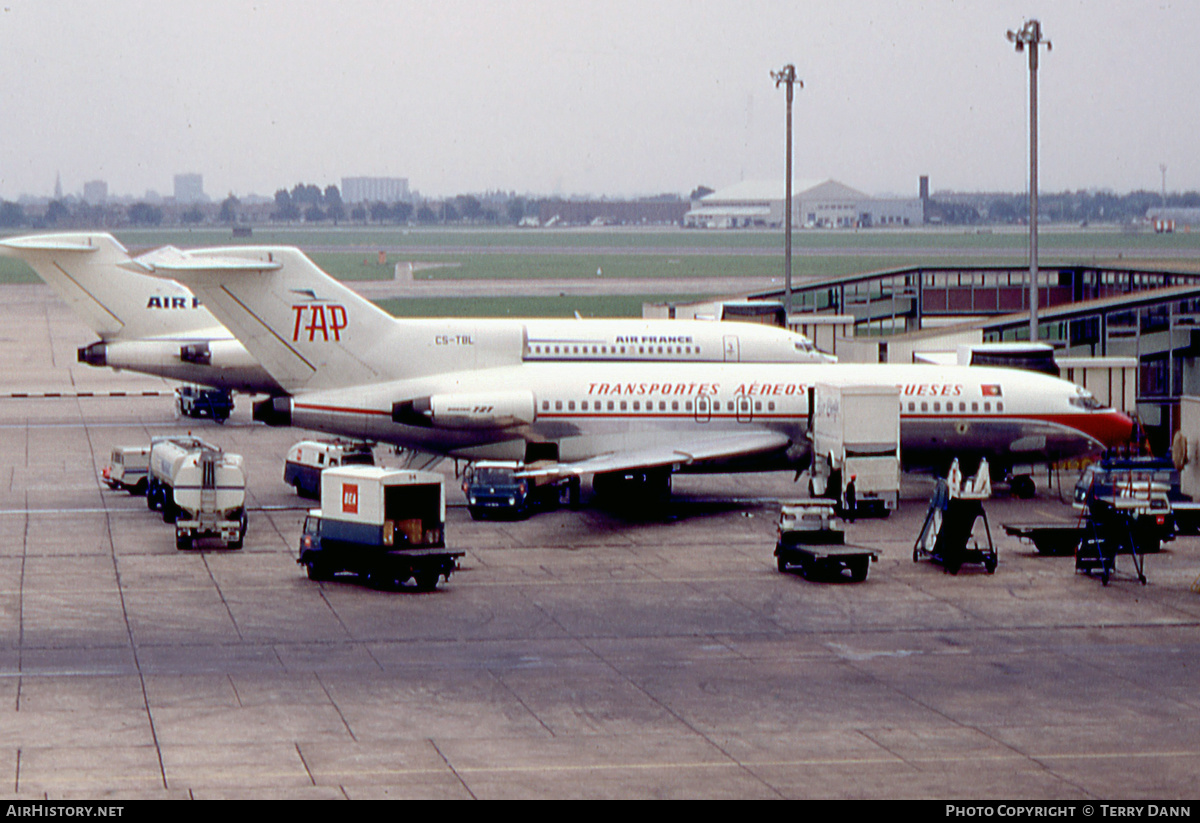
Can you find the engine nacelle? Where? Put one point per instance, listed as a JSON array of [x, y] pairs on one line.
[[274, 411], [495, 410], [94, 355]]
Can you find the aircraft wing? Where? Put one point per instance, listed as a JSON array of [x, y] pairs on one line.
[[683, 452]]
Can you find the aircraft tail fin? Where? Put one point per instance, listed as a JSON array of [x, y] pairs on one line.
[[87, 271], [307, 330]]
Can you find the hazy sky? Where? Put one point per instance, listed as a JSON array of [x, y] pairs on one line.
[[616, 97]]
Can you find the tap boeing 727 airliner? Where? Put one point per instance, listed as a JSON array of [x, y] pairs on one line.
[[346, 367]]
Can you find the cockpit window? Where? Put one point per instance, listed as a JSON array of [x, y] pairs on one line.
[[1086, 400]]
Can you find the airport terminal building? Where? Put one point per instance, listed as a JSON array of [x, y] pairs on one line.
[[815, 204]]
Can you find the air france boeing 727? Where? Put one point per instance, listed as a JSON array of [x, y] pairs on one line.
[[348, 368], [150, 325]]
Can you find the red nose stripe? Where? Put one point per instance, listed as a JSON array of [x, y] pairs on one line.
[[1110, 428]]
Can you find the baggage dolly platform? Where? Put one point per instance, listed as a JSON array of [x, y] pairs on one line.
[[809, 541]]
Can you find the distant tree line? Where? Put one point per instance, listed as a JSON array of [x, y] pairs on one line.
[[309, 203], [1079, 207]]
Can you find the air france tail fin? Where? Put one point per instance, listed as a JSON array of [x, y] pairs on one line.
[[87, 270], [307, 330]]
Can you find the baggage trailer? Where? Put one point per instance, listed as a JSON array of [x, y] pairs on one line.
[[809, 541], [1050, 538], [1117, 505], [385, 525]]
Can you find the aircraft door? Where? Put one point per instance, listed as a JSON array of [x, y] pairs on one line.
[[745, 408], [703, 409], [732, 349]]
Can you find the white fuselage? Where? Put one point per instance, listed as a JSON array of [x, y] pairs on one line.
[[441, 344], [588, 410], [158, 326]]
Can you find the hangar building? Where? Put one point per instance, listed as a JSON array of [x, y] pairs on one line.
[[815, 204]]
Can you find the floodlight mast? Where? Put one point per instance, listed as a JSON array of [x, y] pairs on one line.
[[1030, 35], [787, 76]]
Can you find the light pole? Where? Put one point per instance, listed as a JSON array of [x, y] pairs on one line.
[[1030, 35], [787, 76]]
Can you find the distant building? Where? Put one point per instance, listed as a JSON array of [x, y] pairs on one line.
[[1176, 216], [815, 204], [189, 188], [95, 193], [375, 190]]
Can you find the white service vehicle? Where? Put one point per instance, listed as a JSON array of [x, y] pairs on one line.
[[209, 497], [308, 458], [386, 525], [128, 468], [856, 435], [166, 454]]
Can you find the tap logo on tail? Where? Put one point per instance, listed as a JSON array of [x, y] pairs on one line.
[[319, 321]]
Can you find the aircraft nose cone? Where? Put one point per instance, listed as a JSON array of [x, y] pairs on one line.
[[1114, 429]]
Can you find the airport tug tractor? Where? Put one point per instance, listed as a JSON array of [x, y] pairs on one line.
[[810, 541], [198, 402], [385, 525], [504, 488]]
